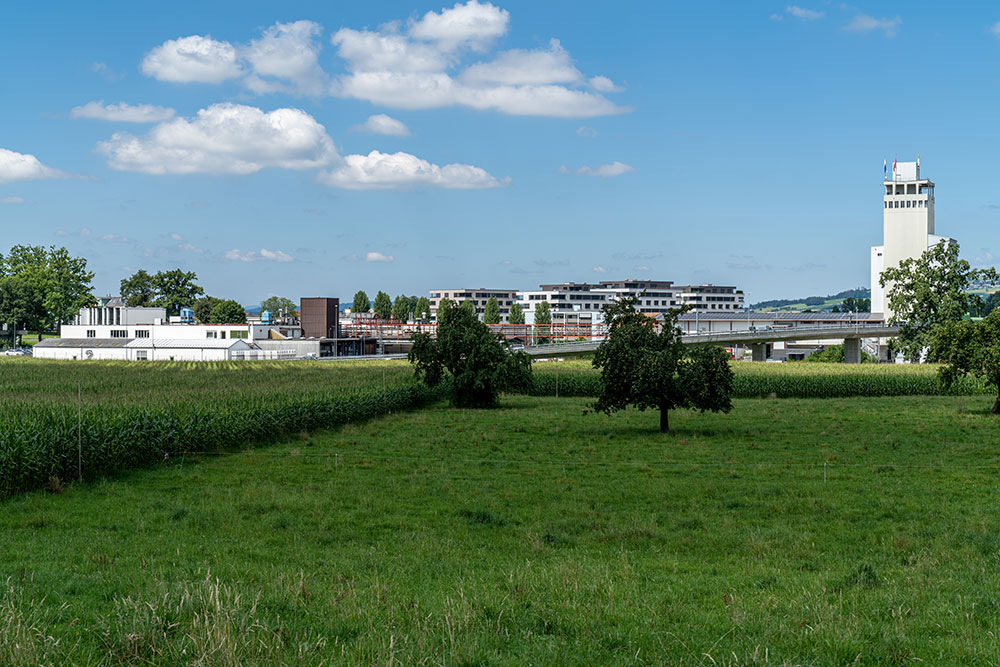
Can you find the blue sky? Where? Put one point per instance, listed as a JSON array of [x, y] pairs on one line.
[[321, 148]]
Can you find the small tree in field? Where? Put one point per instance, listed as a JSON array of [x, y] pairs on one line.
[[480, 364], [970, 348], [649, 369], [491, 313]]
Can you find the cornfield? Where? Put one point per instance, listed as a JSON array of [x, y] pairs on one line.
[[133, 415], [761, 380]]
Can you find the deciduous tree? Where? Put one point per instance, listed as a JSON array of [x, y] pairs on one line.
[[138, 290], [401, 308], [361, 303], [970, 348], [383, 305], [930, 291], [228, 312], [648, 369], [422, 311], [203, 308], [516, 315], [543, 318], [491, 313], [176, 289], [479, 363], [279, 306]]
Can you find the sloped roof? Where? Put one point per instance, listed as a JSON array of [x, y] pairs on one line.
[[84, 342], [180, 343]]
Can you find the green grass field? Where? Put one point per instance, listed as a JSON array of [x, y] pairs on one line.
[[822, 532]]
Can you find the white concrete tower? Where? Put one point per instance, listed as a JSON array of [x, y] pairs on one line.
[[907, 225]]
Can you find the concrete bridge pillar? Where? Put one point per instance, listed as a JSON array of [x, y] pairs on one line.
[[758, 352], [852, 350]]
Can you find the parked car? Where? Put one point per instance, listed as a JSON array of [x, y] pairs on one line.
[[17, 352]]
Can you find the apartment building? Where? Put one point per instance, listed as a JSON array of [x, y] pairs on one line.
[[478, 297], [710, 298], [569, 303], [654, 296]]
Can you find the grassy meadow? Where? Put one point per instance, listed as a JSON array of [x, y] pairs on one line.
[[798, 531]]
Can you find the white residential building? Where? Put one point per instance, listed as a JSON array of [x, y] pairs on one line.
[[907, 226], [569, 303]]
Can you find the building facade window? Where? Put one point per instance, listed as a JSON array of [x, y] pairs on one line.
[[142, 333], [119, 333], [91, 333]]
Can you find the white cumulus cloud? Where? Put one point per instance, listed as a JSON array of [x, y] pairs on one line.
[[474, 25], [24, 167], [599, 269], [418, 65], [995, 29], [805, 14], [384, 171], [865, 23], [225, 139], [262, 255], [11, 200], [196, 58], [518, 67], [286, 52], [382, 124], [123, 113], [378, 257], [604, 170], [603, 84]]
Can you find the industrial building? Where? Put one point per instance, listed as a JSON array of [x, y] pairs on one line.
[[907, 226], [478, 297]]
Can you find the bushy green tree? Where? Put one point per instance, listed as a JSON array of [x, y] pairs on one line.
[[444, 305], [63, 280], [138, 290], [931, 291], [401, 308], [422, 311], [176, 289], [491, 313], [648, 369], [469, 307], [228, 312], [479, 363], [970, 348], [516, 315], [383, 305], [361, 302], [279, 306], [543, 317], [21, 306], [203, 308]]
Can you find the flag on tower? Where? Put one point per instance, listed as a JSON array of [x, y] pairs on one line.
[[893, 166], [884, 168]]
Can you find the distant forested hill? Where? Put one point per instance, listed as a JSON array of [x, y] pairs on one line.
[[815, 301]]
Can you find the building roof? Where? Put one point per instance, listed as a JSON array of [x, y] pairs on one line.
[[208, 343], [739, 316], [84, 342]]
